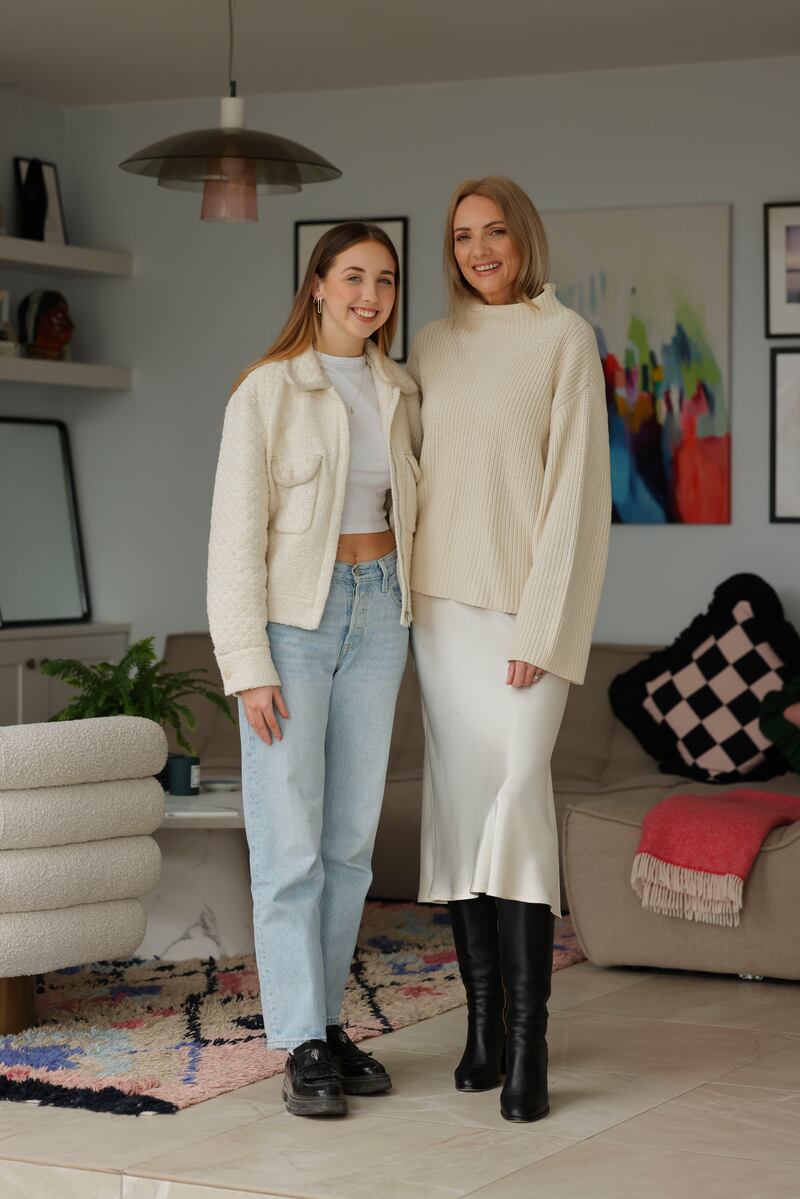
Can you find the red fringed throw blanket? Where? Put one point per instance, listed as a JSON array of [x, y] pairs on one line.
[[696, 851]]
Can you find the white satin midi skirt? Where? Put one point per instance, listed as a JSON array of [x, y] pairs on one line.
[[488, 816]]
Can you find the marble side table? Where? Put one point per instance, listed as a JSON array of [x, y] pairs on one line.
[[202, 905]]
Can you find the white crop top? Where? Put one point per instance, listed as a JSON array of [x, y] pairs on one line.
[[368, 475]]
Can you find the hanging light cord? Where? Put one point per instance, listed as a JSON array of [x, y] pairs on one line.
[[231, 80]]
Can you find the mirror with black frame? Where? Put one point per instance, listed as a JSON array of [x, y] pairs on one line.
[[42, 569]]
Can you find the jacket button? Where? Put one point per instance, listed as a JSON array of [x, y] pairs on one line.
[[226, 674]]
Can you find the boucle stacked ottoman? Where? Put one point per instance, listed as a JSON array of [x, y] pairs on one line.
[[77, 804]]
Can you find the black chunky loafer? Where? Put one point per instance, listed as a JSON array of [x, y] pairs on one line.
[[359, 1072], [311, 1082]]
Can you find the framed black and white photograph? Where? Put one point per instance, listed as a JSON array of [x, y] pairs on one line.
[[785, 436], [308, 233], [782, 269], [41, 212]]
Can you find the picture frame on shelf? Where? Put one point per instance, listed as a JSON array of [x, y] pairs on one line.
[[782, 269], [48, 225], [308, 233], [784, 474]]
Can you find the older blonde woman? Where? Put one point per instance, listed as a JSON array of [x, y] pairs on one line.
[[509, 556]]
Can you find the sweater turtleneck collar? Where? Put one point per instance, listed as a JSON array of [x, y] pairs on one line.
[[545, 302]]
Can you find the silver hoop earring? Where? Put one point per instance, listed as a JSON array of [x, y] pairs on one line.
[[319, 305]]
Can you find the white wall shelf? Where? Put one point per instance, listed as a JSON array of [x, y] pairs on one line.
[[20, 253], [65, 374]]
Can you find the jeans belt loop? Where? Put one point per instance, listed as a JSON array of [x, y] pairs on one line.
[[385, 573]]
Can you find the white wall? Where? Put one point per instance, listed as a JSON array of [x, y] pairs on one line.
[[207, 298]]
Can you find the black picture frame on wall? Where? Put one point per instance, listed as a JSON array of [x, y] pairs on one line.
[[40, 218], [784, 436], [308, 233], [43, 578], [782, 269]]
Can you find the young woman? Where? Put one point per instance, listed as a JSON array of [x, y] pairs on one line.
[[509, 557], [309, 607]]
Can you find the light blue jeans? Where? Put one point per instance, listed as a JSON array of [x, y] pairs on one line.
[[312, 800]]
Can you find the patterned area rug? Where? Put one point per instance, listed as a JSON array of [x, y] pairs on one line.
[[136, 1036]]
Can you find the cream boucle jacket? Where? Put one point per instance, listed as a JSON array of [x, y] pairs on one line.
[[514, 501], [278, 500]]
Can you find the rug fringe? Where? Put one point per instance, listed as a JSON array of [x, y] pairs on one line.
[[697, 895]]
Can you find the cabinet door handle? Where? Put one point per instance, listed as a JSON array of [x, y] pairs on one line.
[[31, 663]]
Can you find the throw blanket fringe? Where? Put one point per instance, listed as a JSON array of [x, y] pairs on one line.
[[696, 852], [671, 890]]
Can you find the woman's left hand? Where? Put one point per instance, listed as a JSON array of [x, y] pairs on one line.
[[523, 674]]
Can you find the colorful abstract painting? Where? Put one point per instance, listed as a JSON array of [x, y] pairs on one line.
[[655, 285]]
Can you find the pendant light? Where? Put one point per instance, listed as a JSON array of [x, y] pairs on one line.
[[230, 164]]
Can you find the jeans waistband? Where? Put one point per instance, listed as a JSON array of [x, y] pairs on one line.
[[378, 568]]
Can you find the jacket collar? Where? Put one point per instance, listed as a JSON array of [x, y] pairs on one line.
[[306, 370]]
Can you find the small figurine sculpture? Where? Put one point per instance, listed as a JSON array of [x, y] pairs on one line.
[[45, 327]]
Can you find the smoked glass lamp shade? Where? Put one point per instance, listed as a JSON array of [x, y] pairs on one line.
[[188, 161]]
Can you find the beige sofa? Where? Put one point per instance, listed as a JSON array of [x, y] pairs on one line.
[[604, 782], [599, 840]]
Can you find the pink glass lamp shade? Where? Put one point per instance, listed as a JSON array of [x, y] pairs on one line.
[[232, 195]]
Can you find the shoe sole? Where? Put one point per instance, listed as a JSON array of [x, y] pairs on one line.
[[525, 1119], [366, 1086], [492, 1086], [314, 1107]]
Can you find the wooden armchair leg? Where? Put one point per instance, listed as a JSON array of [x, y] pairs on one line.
[[17, 1004]]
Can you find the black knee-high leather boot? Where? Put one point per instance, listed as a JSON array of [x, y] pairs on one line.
[[475, 934], [526, 958]]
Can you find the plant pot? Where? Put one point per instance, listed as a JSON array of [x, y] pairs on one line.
[[183, 775], [180, 775]]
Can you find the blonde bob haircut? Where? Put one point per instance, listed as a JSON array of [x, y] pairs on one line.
[[524, 227]]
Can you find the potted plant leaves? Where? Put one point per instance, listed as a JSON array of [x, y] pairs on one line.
[[138, 685]]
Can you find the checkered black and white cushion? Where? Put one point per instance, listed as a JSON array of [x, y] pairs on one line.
[[695, 705]]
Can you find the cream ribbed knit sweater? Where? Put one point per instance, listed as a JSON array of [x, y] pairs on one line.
[[514, 501]]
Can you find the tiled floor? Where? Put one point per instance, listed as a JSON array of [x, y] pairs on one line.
[[663, 1086]]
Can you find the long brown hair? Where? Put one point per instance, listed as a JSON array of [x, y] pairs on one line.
[[304, 323], [525, 229]]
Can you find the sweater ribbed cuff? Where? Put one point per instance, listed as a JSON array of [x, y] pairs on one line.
[[568, 663]]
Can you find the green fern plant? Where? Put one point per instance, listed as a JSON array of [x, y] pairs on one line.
[[138, 685]]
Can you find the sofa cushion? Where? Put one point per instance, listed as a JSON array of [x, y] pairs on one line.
[[694, 706], [407, 748], [592, 745]]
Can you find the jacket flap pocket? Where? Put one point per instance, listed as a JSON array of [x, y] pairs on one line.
[[412, 462], [291, 469]]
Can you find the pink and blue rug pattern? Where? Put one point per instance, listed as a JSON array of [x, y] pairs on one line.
[[136, 1036]]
